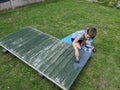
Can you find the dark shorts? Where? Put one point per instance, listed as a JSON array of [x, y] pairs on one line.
[[79, 41]]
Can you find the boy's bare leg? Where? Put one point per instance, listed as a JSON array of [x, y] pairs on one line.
[[77, 53]]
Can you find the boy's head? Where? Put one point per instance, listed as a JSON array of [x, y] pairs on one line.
[[91, 33]]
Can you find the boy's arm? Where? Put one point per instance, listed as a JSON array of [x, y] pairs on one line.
[[85, 42]]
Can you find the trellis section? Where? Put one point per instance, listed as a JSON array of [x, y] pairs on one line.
[[46, 54]]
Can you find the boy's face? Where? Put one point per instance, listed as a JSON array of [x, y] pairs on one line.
[[87, 36]]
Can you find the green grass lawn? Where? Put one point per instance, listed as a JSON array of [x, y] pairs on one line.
[[60, 18]]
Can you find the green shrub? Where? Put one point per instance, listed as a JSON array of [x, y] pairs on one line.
[[108, 2]]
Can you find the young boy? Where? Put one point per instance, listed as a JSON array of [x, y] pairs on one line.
[[81, 37]]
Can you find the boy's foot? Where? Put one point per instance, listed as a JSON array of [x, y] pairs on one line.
[[77, 61]]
